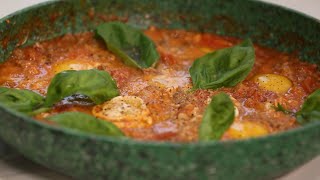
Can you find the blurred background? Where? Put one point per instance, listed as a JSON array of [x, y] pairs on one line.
[[311, 7]]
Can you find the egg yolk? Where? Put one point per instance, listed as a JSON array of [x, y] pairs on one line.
[[72, 65], [242, 130], [273, 82]]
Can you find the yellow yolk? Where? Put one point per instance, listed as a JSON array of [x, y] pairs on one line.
[[273, 82], [242, 130], [72, 65]]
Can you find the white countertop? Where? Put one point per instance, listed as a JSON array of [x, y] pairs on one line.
[[16, 167]]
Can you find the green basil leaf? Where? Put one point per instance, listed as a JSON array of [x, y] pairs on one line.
[[97, 85], [86, 123], [23, 100], [310, 111], [218, 117], [223, 68], [130, 44]]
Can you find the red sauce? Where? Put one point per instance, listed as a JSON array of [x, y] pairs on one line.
[[176, 112]]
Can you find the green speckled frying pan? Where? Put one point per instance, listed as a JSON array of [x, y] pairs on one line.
[[90, 157]]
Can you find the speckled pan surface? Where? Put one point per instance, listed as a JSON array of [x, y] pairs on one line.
[[90, 157]]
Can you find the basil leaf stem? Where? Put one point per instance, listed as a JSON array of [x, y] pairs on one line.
[[280, 108]]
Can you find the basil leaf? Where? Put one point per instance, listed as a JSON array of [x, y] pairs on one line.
[[24, 101], [310, 111], [131, 45], [86, 123], [223, 68], [218, 117], [97, 85]]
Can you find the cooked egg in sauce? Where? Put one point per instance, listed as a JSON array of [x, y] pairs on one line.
[[158, 103], [273, 82], [125, 112]]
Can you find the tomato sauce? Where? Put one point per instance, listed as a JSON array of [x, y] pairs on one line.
[[175, 110]]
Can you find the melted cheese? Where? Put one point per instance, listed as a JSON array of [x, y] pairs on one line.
[[170, 79], [124, 111], [171, 82]]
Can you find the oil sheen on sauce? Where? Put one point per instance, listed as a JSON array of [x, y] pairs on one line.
[[176, 112]]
